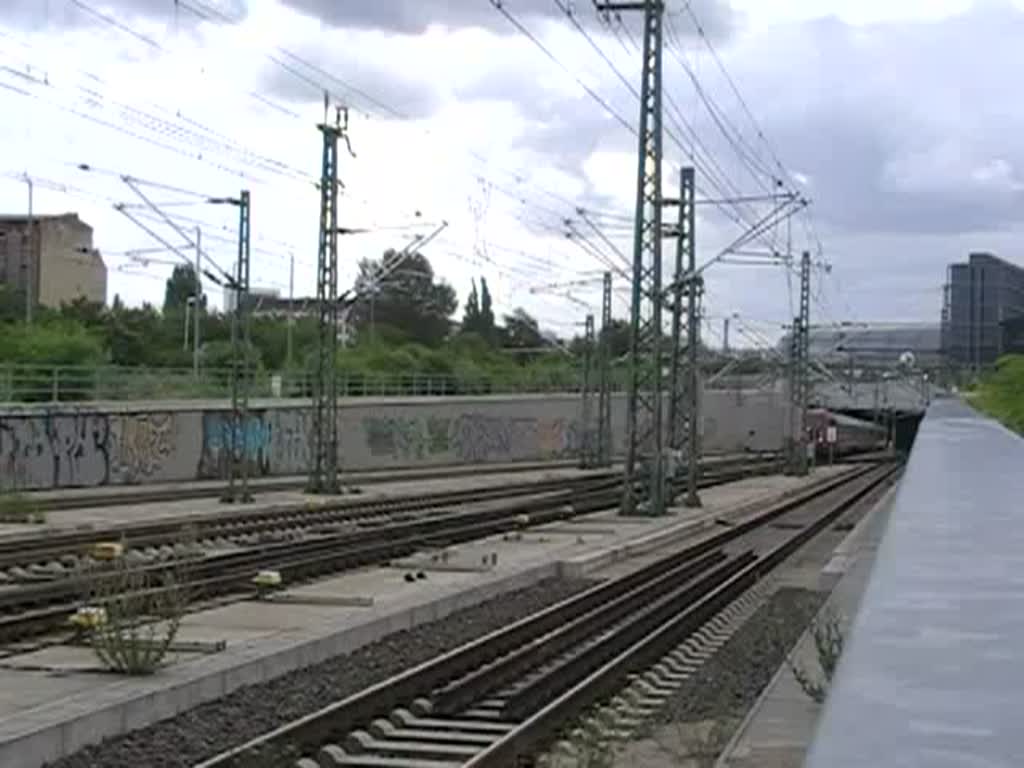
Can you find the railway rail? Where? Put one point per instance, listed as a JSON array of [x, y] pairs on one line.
[[505, 697], [33, 609], [294, 518], [84, 498]]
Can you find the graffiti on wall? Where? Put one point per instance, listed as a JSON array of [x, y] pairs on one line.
[[405, 437], [53, 451], [139, 442], [470, 437], [290, 439], [250, 440]]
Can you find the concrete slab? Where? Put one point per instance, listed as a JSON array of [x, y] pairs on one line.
[[25, 689], [265, 640]]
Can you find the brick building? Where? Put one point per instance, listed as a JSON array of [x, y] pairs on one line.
[[56, 258]]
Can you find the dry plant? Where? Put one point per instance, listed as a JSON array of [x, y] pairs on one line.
[[696, 744], [134, 612], [827, 631], [587, 746]]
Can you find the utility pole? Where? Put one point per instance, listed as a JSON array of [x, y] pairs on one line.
[[799, 370], [588, 453], [32, 262], [644, 487], [198, 304], [188, 319], [725, 336], [324, 475], [238, 464], [291, 312], [684, 383], [604, 383], [694, 296]]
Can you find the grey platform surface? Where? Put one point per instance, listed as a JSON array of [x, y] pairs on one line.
[[934, 671]]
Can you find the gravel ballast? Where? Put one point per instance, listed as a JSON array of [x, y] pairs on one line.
[[728, 684], [213, 727]]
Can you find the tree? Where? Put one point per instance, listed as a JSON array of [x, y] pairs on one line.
[[471, 313], [12, 304], [478, 318], [521, 331], [181, 285], [618, 337], [91, 314], [407, 298], [487, 327]]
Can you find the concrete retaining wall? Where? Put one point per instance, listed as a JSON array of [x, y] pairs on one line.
[[63, 446]]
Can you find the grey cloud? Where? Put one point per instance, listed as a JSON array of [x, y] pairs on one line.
[[290, 80], [414, 16], [904, 127], [39, 14]]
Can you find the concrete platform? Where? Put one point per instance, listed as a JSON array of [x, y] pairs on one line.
[[933, 674], [779, 728], [58, 712]]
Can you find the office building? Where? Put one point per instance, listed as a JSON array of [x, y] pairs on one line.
[[51, 258], [982, 299]]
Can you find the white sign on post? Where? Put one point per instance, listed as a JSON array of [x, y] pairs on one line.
[[831, 435]]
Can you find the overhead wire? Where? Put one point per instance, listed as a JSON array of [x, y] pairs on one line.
[[735, 89]]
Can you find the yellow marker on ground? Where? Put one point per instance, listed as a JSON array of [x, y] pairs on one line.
[[88, 617], [267, 579], [107, 550]]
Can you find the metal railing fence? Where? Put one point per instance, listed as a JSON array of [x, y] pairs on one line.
[[40, 384]]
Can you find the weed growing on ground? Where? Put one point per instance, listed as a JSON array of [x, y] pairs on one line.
[[827, 631], [135, 612], [19, 508]]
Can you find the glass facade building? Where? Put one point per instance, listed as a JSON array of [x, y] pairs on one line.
[[982, 299]]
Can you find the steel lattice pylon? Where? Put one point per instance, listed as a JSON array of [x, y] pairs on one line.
[[588, 447], [238, 458], [645, 465], [799, 371], [604, 384], [324, 471], [688, 288]]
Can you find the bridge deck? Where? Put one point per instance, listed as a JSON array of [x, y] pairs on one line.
[[933, 674]]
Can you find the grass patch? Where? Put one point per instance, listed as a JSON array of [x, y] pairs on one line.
[[19, 508], [1000, 393]]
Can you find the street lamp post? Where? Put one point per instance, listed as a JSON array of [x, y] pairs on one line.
[[188, 305], [198, 303], [30, 263]]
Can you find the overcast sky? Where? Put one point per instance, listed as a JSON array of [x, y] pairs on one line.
[[901, 121]]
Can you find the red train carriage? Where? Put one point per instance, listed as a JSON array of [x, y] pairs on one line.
[[852, 436]]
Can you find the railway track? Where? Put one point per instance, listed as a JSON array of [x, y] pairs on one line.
[[48, 501], [86, 498], [505, 697], [30, 610], [232, 525], [36, 554]]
